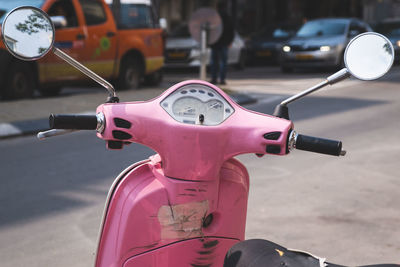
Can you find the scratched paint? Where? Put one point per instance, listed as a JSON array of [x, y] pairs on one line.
[[183, 220], [207, 254]]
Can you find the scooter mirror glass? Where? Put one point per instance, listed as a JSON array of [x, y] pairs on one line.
[[369, 56], [28, 33]]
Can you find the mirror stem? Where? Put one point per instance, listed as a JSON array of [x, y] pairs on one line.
[[112, 98], [337, 77], [282, 111], [304, 93]]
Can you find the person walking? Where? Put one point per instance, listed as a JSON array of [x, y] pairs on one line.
[[219, 50]]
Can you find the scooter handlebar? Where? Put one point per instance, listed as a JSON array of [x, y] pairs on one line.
[[73, 122], [319, 145]]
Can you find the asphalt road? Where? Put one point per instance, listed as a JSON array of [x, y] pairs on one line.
[[345, 209]]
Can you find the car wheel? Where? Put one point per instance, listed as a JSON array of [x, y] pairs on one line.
[[50, 91], [286, 69], [20, 81], [130, 74], [154, 78], [242, 61]]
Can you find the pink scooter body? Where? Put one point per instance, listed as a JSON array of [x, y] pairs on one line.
[[185, 206]]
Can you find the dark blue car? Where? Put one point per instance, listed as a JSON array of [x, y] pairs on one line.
[[265, 46]]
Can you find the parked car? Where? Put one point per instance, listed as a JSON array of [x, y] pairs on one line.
[[265, 46], [391, 29], [183, 51], [89, 34], [320, 43]]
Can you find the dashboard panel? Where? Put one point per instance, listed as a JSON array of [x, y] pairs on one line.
[[197, 104]]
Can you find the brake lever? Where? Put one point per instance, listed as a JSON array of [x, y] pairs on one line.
[[53, 132]]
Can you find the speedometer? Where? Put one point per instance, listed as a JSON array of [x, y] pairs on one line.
[[197, 104]]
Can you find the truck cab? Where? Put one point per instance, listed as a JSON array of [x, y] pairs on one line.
[[137, 24], [125, 47]]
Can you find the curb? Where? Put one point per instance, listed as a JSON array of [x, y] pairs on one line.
[[242, 99], [20, 128]]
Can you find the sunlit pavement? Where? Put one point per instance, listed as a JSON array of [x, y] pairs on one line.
[[252, 80], [345, 209]]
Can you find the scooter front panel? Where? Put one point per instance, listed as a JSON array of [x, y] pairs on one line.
[[148, 211]]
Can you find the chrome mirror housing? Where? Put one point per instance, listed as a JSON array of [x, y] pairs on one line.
[[28, 33], [369, 56]]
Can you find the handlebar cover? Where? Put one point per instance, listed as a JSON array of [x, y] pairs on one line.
[[73, 122], [318, 145]]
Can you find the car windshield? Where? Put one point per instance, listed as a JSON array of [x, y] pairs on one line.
[[181, 31], [322, 28], [389, 28], [277, 32], [7, 5], [280, 33], [136, 16]]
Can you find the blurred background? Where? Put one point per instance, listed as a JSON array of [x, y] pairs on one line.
[[347, 209], [253, 16]]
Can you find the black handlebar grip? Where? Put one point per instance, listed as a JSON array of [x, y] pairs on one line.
[[319, 145], [73, 122]]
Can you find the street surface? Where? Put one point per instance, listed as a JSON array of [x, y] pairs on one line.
[[346, 209]]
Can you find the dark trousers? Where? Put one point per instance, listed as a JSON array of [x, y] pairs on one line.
[[219, 58]]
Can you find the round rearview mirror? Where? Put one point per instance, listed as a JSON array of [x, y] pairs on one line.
[[28, 33], [369, 56]]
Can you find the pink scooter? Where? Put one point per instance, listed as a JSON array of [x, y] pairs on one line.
[[186, 205]]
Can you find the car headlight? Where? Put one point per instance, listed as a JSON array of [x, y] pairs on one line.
[[286, 48], [325, 48], [398, 43]]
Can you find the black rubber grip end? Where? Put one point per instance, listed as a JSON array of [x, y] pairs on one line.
[[73, 122], [318, 145]]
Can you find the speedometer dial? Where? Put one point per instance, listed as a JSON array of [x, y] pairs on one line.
[[187, 107], [215, 110]]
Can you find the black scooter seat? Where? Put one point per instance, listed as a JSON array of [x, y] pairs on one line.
[[263, 253]]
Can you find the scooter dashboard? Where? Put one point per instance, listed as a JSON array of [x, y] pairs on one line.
[[197, 104]]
